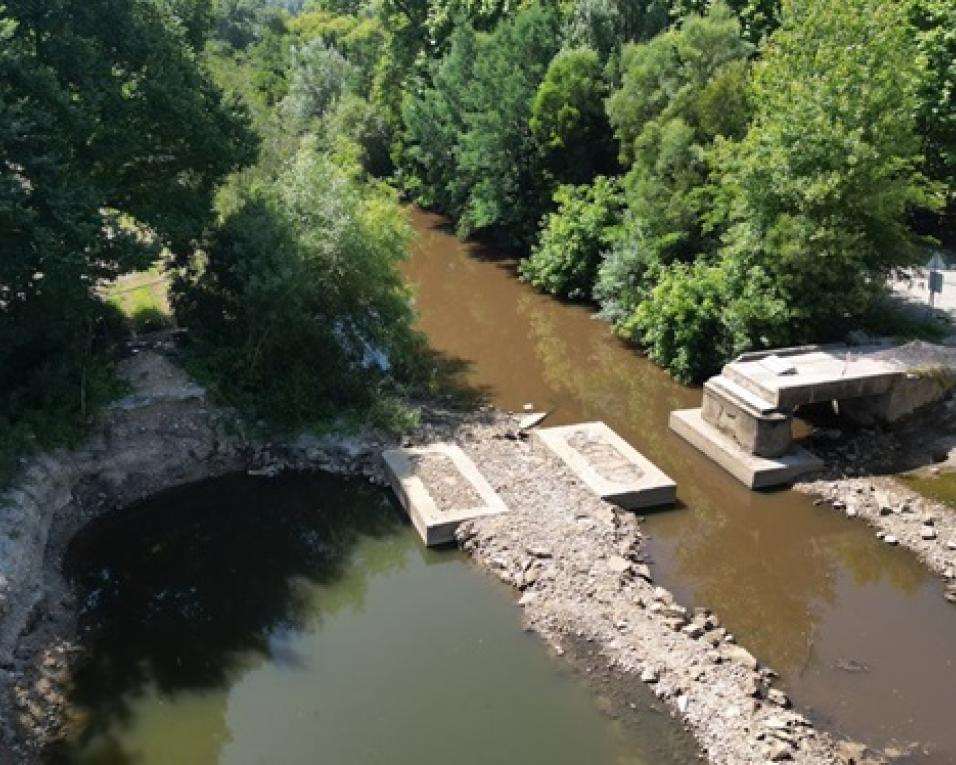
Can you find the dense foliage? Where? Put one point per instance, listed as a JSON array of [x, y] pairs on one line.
[[715, 174], [574, 237], [297, 308], [112, 141]]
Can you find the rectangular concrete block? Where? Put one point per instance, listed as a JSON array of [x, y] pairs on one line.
[[820, 374], [765, 433], [440, 487], [756, 472], [608, 465]]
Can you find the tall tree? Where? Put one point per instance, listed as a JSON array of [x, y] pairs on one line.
[[823, 181], [112, 141]]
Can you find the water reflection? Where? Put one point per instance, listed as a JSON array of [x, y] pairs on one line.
[[298, 620], [807, 590]]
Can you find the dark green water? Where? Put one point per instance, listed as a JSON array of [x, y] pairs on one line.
[[299, 620], [940, 487]]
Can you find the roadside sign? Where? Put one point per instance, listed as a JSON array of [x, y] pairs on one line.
[[936, 263], [935, 281]]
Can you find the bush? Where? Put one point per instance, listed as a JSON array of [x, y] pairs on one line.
[[573, 238], [699, 316], [150, 319], [298, 312], [681, 322]]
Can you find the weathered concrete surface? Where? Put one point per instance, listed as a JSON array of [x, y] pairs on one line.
[[753, 471], [823, 374], [608, 465], [750, 422], [745, 419], [434, 524], [911, 392]]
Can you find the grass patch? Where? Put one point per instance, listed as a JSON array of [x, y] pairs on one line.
[[143, 298]]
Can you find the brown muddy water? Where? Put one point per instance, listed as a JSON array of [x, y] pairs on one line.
[[299, 620], [859, 632]]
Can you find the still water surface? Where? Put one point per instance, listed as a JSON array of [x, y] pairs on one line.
[[299, 620], [859, 631]]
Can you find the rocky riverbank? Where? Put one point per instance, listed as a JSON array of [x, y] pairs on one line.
[[575, 562], [861, 479], [578, 564]]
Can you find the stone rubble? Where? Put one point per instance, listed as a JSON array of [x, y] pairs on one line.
[[860, 482], [594, 586], [576, 564]]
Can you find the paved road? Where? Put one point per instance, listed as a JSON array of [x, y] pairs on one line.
[[915, 291]]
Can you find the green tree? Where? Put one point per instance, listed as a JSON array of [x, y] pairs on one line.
[[467, 147], [568, 120], [298, 310], [934, 26], [822, 183], [605, 25], [319, 76], [758, 18], [112, 140], [434, 122], [573, 239], [678, 93]]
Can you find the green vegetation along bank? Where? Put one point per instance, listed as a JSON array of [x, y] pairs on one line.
[[714, 176]]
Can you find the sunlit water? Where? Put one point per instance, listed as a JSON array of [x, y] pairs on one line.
[[299, 620], [809, 592]]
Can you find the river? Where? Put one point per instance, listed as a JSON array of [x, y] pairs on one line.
[[299, 620], [859, 632]]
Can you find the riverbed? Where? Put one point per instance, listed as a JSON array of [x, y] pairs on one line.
[[858, 631], [298, 619]]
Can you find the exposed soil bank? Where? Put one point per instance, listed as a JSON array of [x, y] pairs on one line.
[[164, 434]]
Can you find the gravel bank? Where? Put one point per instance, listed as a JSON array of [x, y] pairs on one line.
[[575, 562], [578, 565], [860, 481]]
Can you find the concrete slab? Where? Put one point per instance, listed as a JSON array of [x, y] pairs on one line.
[[821, 374], [755, 472], [608, 465], [440, 487]]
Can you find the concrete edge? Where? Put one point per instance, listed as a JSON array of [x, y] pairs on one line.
[[753, 471], [654, 488], [434, 526]]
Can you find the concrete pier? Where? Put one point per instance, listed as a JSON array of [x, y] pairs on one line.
[[744, 423], [440, 488], [754, 471], [608, 465]]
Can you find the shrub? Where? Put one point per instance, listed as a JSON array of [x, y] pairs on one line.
[[298, 312], [573, 238]]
